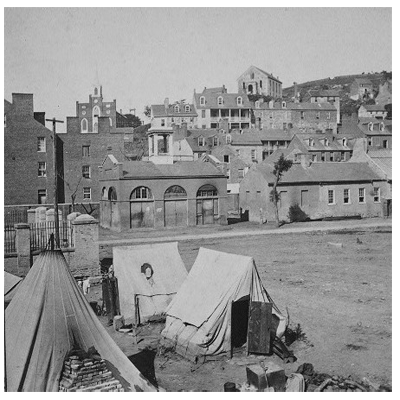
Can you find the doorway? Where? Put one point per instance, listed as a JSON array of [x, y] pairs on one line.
[[239, 322]]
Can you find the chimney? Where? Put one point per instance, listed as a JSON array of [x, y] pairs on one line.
[[23, 103], [223, 89], [120, 111], [40, 117], [166, 103], [296, 93]]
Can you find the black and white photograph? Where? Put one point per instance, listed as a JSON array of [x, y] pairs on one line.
[[197, 197]]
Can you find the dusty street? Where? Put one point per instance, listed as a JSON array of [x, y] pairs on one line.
[[336, 285]]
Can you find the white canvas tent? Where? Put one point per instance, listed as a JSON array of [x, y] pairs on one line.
[[199, 319], [11, 284], [148, 278], [48, 317]]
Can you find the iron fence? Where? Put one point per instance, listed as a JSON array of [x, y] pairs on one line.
[[9, 239], [15, 216], [40, 234]]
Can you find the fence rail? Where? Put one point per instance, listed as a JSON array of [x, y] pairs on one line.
[[41, 231], [9, 240]]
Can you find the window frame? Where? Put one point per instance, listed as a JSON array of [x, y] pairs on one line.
[[253, 154], [200, 141], [42, 172], [346, 196], [202, 101], [361, 195], [85, 150], [220, 101], [39, 146], [239, 101], [86, 174], [377, 194], [85, 191], [331, 200]]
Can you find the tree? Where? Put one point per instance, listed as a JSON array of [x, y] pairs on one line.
[[281, 166], [388, 108], [147, 111], [133, 120]]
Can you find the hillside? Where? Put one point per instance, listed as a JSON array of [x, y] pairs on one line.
[[341, 84]]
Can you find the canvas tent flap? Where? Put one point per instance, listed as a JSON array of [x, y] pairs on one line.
[[11, 284], [49, 316], [199, 317], [156, 286]]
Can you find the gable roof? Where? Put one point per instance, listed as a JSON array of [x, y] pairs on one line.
[[229, 100], [374, 107], [149, 170], [159, 110], [322, 172], [272, 134], [324, 93], [260, 70]]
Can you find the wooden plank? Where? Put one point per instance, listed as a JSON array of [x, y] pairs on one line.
[[259, 330]]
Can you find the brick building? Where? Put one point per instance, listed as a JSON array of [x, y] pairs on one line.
[[28, 154], [256, 81], [92, 134], [140, 194]]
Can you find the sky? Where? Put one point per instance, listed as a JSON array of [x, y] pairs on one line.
[[142, 55]]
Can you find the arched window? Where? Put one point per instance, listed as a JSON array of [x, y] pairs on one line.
[[202, 101], [104, 193], [96, 114], [84, 125], [344, 142], [371, 126], [382, 127], [239, 101], [220, 100], [187, 108], [110, 119], [207, 191], [174, 192], [112, 194], [96, 111], [326, 142], [177, 108], [283, 104], [96, 91], [141, 193]]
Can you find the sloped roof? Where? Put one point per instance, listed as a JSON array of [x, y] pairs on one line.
[[230, 100], [195, 133], [322, 172], [311, 106], [245, 138], [364, 81], [149, 170], [272, 134], [324, 93], [333, 144], [383, 159], [374, 107], [159, 110], [351, 129]]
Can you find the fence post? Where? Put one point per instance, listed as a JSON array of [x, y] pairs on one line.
[[31, 216], [86, 261], [23, 248]]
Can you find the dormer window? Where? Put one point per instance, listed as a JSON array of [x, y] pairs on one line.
[[187, 108], [200, 141], [162, 122], [370, 126], [311, 142], [239, 101], [381, 126], [177, 108], [228, 139], [257, 104], [215, 141], [283, 104], [220, 100], [202, 101], [344, 141], [326, 142]]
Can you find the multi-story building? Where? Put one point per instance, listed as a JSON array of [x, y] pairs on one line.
[[327, 96], [377, 133], [91, 135], [28, 154], [215, 106], [256, 81], [306, 117]]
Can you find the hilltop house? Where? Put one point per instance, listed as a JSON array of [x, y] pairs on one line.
[[256, 81], [361, 88], [320, 189]]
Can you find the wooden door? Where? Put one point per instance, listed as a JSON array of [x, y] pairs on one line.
[[142, 214], [260, 327], [175, 212]]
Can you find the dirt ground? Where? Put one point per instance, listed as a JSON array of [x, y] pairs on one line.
[[336, 285]]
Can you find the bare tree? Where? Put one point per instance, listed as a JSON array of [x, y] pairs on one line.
[[74, 192]]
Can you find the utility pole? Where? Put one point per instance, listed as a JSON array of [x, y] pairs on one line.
[[56, 222]]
